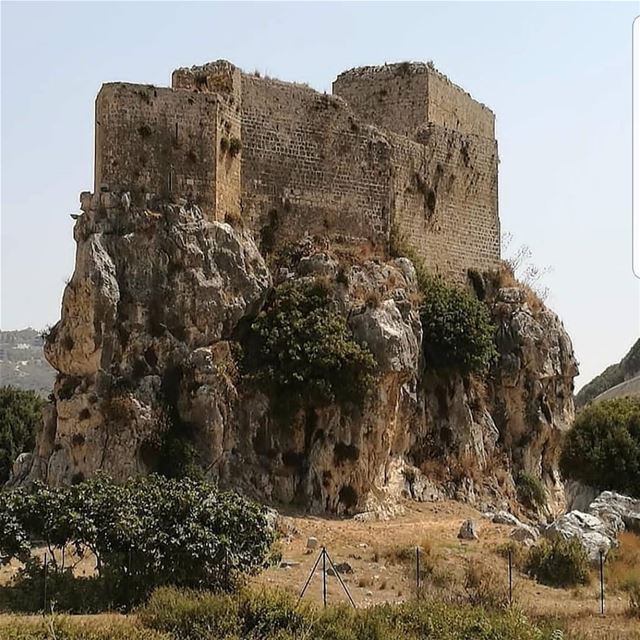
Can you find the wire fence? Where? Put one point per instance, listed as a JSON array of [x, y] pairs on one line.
[[328, 569], [324, 556]]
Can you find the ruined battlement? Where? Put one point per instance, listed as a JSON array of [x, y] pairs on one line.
[[397, 151]]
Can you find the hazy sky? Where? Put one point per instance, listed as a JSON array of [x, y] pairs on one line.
[[557, 75]]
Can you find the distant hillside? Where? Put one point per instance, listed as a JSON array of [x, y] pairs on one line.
[[612, 376], [22, 362]]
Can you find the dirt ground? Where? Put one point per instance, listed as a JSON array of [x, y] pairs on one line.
[[381, 556]]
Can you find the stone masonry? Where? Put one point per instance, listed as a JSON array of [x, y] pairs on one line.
[[396, 155]]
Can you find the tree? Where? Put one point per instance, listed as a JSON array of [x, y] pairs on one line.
[[149, 532], [301, 351], [20, 415], [603, 448]]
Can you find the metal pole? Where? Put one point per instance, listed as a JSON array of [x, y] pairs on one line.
[[418, 573], [344, 586], [510, 577], [44, 599], [306, 584], [324, 577], [601, 582]]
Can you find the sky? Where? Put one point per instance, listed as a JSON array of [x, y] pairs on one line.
[[557, 75]]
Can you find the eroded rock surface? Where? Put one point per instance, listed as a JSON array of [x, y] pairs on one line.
[[146, 347]]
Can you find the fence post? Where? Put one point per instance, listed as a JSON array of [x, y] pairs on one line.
[[44, 595], [510, 579], [417, 573], [601, 582], [324, 577]]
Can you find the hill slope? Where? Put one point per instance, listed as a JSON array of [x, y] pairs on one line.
[[613, 375], [22, 362]]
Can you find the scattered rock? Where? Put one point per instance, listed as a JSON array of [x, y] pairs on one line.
[[312, 544], [468, 530], [342, 568], [525, 534], [504, 517], [288, 564]]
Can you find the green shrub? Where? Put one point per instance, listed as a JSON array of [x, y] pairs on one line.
[[530, 490], [558, 563], [457, 331], [265, 613], [301, 352], [149, 532], [274, 615], [65, 628], [603, 448], [191, 615], [20, 415]]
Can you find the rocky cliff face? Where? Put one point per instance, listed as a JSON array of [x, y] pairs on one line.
[[145, 350]]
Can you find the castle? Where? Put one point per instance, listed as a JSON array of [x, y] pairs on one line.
[[395, 152]]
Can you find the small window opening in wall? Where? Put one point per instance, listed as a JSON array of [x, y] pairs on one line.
[[176, 131], [170, 181]]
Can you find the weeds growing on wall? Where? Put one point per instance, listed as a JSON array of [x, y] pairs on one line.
[[458, 335]]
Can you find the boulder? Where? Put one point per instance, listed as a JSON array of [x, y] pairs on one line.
[[592, 533], [468, 530], [618, 512], [388, 336], [524, 534]]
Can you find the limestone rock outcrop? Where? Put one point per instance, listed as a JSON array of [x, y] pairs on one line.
[[146, 349], [598, 528]]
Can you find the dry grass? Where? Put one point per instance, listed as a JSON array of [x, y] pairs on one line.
[[504, 277], [623, 568]]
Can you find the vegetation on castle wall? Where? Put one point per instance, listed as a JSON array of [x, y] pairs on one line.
[[149, 532], [300, 350], [603, 448], [457, 331], [458, 335], [20, 415]]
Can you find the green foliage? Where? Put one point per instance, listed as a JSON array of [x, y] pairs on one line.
[[191, 615], [20, 415], [530, 490], [301, 351], [149, 532], [457, 331], [558, 563], [603, 448], [274, 615], [67, 628]]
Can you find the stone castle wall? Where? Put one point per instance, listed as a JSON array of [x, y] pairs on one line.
[[310, 167], [445, 200], [399, 152], [405, 97]]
